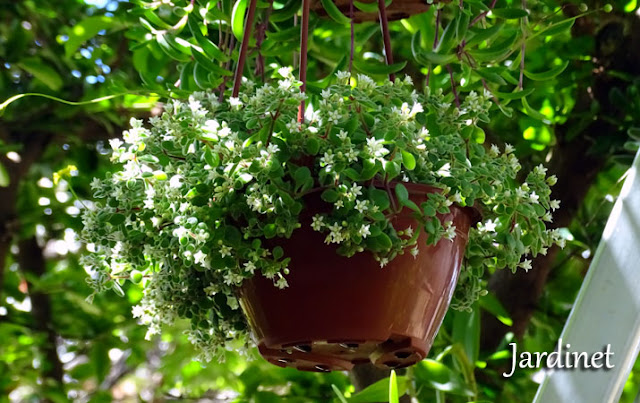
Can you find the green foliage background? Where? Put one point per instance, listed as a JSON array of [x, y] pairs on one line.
[[579, 117]]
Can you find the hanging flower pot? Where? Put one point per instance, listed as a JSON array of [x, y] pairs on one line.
[[339, 311]]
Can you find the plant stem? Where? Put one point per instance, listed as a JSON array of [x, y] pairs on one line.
[[453, 86]]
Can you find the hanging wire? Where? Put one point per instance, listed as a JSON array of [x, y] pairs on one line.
[[384, 25], [304, 36], [246, 37]]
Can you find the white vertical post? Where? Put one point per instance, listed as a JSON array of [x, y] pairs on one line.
[[607, 309]]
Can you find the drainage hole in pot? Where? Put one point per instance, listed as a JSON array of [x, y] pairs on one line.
[[391, 364], [322, 368], [304, 348], [350, 346], [403, 354]]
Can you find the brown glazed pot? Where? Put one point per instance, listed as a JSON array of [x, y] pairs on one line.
[[340, 311], [397, 10]]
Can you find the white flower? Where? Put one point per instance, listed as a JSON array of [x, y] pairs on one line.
[[356, 190], [508, 148], [526, 265], [343, 135], [417, 108], [554, 204], [138, 312], [376, 148], [317, 223], [384, 261], [325, 94], [364, 230], [334, 117], [540, 170], [96, 184], [282, 283], [343, 75], [547, 217], [444, 170], [339, 203], [457, 197], [533, 197], [361, 206], [115, 144], [414, 252], [199, 258], [489, 226], [175, 181], [285, 72], [327, 159], [250, 267], [409, 231], [235, 102], [450, 231], [495, 151], [521, 193], [225, 250]]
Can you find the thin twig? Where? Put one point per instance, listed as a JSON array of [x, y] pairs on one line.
[[453, 85], [483, 14]]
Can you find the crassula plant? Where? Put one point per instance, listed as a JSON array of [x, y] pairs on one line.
[[203, 193]]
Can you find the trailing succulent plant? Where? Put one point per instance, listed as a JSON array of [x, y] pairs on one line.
[[202, 188]]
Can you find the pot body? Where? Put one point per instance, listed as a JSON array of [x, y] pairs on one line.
[[340, 311]]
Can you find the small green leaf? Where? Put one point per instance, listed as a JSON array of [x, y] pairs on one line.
[[510, 13], [379, 391], [532, 112], [436, 375], [549, 74], [334, 12], [312, 146], [42, 71], [408, 160], [330, 196], [338, 393], [116, 219], [278, 252], [208, 47], [379, 198], [393, 388], [84, 30], [4, 176], [513, 95], [402, 194], [237, 18], [555, 29], [373, 67]]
